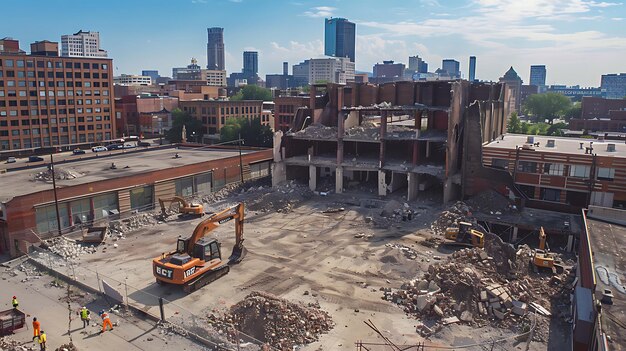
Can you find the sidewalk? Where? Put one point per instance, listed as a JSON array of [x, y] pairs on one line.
[[38, 298]]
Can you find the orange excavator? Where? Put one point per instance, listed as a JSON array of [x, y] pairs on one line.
[[197, 260], [185, 207], [543, 258]]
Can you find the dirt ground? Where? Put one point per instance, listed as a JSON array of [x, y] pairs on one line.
[[340, 260]]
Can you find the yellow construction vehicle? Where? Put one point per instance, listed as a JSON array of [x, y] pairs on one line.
[[543, 258], [464, 235], [197, 260], [185, 208]]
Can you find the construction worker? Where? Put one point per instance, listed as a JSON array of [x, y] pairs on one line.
[[36, 328], [42, 340], [105, 321], [85, 316], [15, 303]]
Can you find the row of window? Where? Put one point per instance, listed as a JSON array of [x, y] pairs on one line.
[[54, 140], [53, 112], [52, 92], [224, 110], [557, 169], [52, 64], [52, 84], [213, 120], [51, 74], [35, 131], [54, 102], [53, 121]]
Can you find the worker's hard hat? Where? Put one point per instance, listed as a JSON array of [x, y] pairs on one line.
[[14, 297], [84, 307]]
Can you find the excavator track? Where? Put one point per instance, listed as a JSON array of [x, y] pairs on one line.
[[206, 278]]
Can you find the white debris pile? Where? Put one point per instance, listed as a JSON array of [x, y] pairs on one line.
[[317, 131], [122, 226], [8, 344], [282, 198], [393, 213], [59, 174], [67, 248]]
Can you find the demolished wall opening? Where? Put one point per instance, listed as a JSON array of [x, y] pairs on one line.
[[298, 174]]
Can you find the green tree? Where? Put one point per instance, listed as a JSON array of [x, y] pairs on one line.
[[556, 129], [180, 119], [573, 112], [252, 132], [547, 106], [514, 125], [253, 92]]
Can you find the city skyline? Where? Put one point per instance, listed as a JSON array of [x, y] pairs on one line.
[[572, 38]]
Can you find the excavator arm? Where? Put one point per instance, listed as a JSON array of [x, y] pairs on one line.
[[208, 225]]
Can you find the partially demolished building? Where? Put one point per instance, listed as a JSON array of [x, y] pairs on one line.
[[403, 137]]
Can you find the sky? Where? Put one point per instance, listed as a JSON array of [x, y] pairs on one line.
[[578, 40]]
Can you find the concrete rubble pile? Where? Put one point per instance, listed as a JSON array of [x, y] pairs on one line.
[[276, 321], [122, 226], [67, 347], [29, 271], [223, 193], [59, 173], [459, 212], [470, 288], [282, 198], [8, 344], [69, 249], [317, 131], [363, 131], [393, 213], [491, 202]]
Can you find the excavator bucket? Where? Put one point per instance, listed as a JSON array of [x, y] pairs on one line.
[[239, 252]]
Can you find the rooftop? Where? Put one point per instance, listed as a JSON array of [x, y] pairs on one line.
[[94, 167], [608, 242], [562, 145]]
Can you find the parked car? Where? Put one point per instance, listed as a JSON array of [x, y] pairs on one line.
[[130, 146], [35, 159], [115, 147], [11, 160], [78, 152], [143, 144], [98, 148]]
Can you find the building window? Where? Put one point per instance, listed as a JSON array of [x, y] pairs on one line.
[[550, 194], [579, 171], [184, 186], [553, 168], [141, 198], [527, 167], [81, 211], [606, 173], [500, 163]]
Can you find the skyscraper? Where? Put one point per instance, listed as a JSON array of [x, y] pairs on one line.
[[250, 63], [82, 44], [538, 75], [215, 48], [339, 38], [613, 86], [472, 68], [417, 64], [453, 67]]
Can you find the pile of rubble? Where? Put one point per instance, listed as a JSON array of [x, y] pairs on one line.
[[278, 322], [491, 202], [282, 198], [364, 132], [67, 347], [393, 213], [477, 287], [8, 344], [317, 131], [68, 249], [459, 212], [122, 226], [59, 173]]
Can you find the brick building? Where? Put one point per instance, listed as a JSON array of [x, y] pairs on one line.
[[598, 114], [48, 100], [403, 137], [134, 113], [100, 193], [214, 113], [576, 172], [285, 110]]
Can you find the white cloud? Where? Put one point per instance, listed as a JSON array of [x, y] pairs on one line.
[[617, 18], [430, 3], [320, 11], [198, 1], [236, 1]]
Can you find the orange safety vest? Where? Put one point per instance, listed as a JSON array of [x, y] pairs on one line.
[[105, 316]]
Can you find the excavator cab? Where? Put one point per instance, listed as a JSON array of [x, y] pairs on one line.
[[464, 235]]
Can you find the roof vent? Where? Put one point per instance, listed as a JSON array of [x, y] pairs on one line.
[[607, 297], [600, 137], [530, 139], [550, 143], [581, 146], [610, 147]]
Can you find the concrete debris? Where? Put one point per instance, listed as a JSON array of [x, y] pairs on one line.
[[276, 321], [67, 347], [59, 174], [470, 287], [69, 249], [316, 131], [8, 344], [459, 212], [120, 227], [407, 251]]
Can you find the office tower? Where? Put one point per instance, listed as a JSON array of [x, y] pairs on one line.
[[153, 74], [82, 44], [215, 49], [417, 64], [452, 67], [339, 38], [538, 75], [285, 68], [250, 63], [613, 86], [472, 68]]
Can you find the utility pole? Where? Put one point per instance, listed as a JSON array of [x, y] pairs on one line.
[[240, 159], [54, 190]]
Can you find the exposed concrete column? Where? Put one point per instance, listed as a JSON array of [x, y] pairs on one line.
[[412, 187], [570, 243], [279, 173], [514, 235], [382, 186], [427, 149], [312, 177], [415, 152], [339, 180]]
